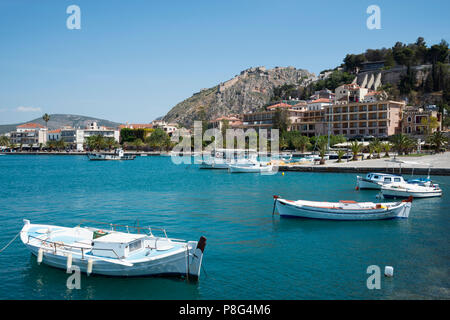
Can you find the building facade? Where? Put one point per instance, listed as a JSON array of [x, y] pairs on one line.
[[29, 135], [415, 120]]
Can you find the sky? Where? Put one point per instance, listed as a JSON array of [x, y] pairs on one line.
[[132, 61]]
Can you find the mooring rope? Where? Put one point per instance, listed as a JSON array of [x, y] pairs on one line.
[[9, 243]]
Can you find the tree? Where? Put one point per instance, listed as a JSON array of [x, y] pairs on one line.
[[376, 147], [301, 143], [4, 141], [137, 143], [437, 141], [340, 154], [95, 142], [60, 144], [158, 140], [281, 120], [399, 143], [431, 123], [46, 118], [111, 143], [386, 147], [356, 147], [322, 147]]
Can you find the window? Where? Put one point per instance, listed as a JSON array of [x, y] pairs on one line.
[[135, 245], [387, 179], [397, 179], [376, 177]]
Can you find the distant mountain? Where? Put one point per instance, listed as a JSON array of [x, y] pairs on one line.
[[60, 120], [249, 91]]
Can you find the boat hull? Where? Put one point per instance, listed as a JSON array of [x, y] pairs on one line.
[[286, 209], [394, 194], [363, 183], [175, 265], [250, 169]]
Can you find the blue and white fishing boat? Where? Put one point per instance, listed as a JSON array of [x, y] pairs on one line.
[[113, 253], [342, 210], [374, 180]]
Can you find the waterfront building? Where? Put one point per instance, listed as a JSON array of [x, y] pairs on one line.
[[29, 135], [264, 119], [233, 122], [77, 137], [54, 135], [379, 119], [415, 119], [169, 128]]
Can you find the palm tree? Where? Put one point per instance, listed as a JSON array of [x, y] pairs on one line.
[[400, 143], [96, 142], [386, 147], [437, 140], [111, 143], [340, 154], [4, 141], [301, 143], [322, 144], [356, 147], [46, 118], [376, 146]]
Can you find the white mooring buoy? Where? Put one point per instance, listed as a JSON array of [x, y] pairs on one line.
[[89, 267], [40, 255], [389, 271], [69, 263]]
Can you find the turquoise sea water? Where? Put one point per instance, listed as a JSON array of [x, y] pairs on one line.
[[249, 253]]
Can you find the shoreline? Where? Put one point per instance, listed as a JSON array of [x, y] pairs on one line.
[[437, 164]]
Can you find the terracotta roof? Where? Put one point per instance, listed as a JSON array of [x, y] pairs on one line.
[[226, 118], [321, 100], [137, 126], [279, 105], [30, 125], [55, 131]]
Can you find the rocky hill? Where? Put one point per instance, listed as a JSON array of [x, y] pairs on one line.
[[249, 91], [59, 120]]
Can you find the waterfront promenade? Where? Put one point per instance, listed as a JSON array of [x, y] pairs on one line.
[[439, 164]]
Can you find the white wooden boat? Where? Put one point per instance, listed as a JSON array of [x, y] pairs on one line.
[[375, 180], [117, 155], [111, 252], [342, 210], [405, 190], [253, 168], [223, 158]]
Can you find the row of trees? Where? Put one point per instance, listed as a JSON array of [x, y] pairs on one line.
[[156, 139], [411, 54]]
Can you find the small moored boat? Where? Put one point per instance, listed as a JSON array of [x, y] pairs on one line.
[[342, 210], [111, 252], [405, 190], [375, 180], [117, 155], [254, 168]]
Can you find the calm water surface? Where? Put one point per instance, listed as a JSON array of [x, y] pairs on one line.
[[249, 253]]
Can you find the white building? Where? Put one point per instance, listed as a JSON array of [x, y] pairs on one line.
[[169, 128], [318, 104], [78, 136], [54, 135], [29, 135]]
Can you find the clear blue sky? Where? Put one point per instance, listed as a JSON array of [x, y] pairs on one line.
[[134, 60]]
